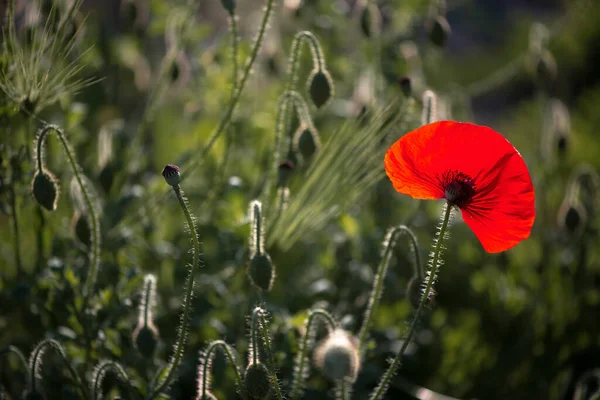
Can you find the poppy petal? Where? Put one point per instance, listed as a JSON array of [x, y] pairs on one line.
[[502, 211]]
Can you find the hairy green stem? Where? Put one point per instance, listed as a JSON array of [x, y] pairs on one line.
[[258, 316], [296, 52], [100, 374], [93, 219], [302, 357], [212, 348], [389, 243], [187, 300], [384, 383]]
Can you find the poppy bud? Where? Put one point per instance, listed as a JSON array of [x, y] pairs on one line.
[[106, 176], [256, 381], [171, 174], [320, 87], [572, 217], [45, 189], [284, 172], [306, 141], [544, 69], [405, 84], [337, 356], [81, 227], [439, 31], [261, 271], [145, 338], [229, 5], [370, 21]]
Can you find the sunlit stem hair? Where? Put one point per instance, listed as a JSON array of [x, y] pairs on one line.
[[430, 112], [94, 252], [35, 364], [257, 245], [100, 373], [259, 335], [296, 51], [168, 374], [205, 367], [389, 243], [20, 356], [302, 364], [435, 261]]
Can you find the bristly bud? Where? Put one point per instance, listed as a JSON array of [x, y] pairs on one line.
[[145, 336], [229, 6], [405, 84], [45, 189], [257, 382], [261, 271], [171, 174], [337, 356], [439, 31], [285, 170], [256, 228], [320, 87], [306, 141]]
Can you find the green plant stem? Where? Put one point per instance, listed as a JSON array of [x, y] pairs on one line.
[[212, 348], [302, 356], [258, 315], [388, 247], [187, 301], [16, 230], [384, 383], [296, 52], [94, 223], [242, 82], [20, 356], [100, 373]]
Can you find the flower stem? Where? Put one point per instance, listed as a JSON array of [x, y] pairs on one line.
[[388, 246], [302, 357], [187, 300], [258, 315], [93, 219], [15, 223], [212, 348], [435, 261]]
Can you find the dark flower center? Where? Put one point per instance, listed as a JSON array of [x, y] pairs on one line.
[[459, 188]]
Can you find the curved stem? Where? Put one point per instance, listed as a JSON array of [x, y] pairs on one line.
[[258, 315], [388, 246], [20, 356], [240, 87], [94, 223], [187, 300], [384, 383], [212, 348], [100, 373], [296, 52], [302, 357], [37, 354]]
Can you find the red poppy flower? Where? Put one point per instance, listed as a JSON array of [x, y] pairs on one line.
[[472, 167]]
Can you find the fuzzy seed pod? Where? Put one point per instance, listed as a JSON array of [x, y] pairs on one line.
[[320, 87], [229, 5], [285, 170], [439, 31], [257, 382], [337, 356], [306, 141], [261, 271], [145, 339], [171, 174], [45, 189]]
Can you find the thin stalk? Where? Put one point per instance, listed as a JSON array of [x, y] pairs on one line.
[[262, 324], [384, 383], [94, 223], [240, 87], [389, 243], [16, 230], [302, 356], [20, 356], [212, 348], [100, 373], [187, 300]]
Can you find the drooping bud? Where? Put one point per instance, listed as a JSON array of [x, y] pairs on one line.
[[145, 336], [261, 271], [572, 217], [171, 174], [45, 189], [81, 228], [439, 31], [405, 84], [320, 87], [337, 356], [229, 5], [306, 141], [285, 170], [256, 381]]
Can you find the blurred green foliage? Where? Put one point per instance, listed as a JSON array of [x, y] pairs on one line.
[[521, 325]]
